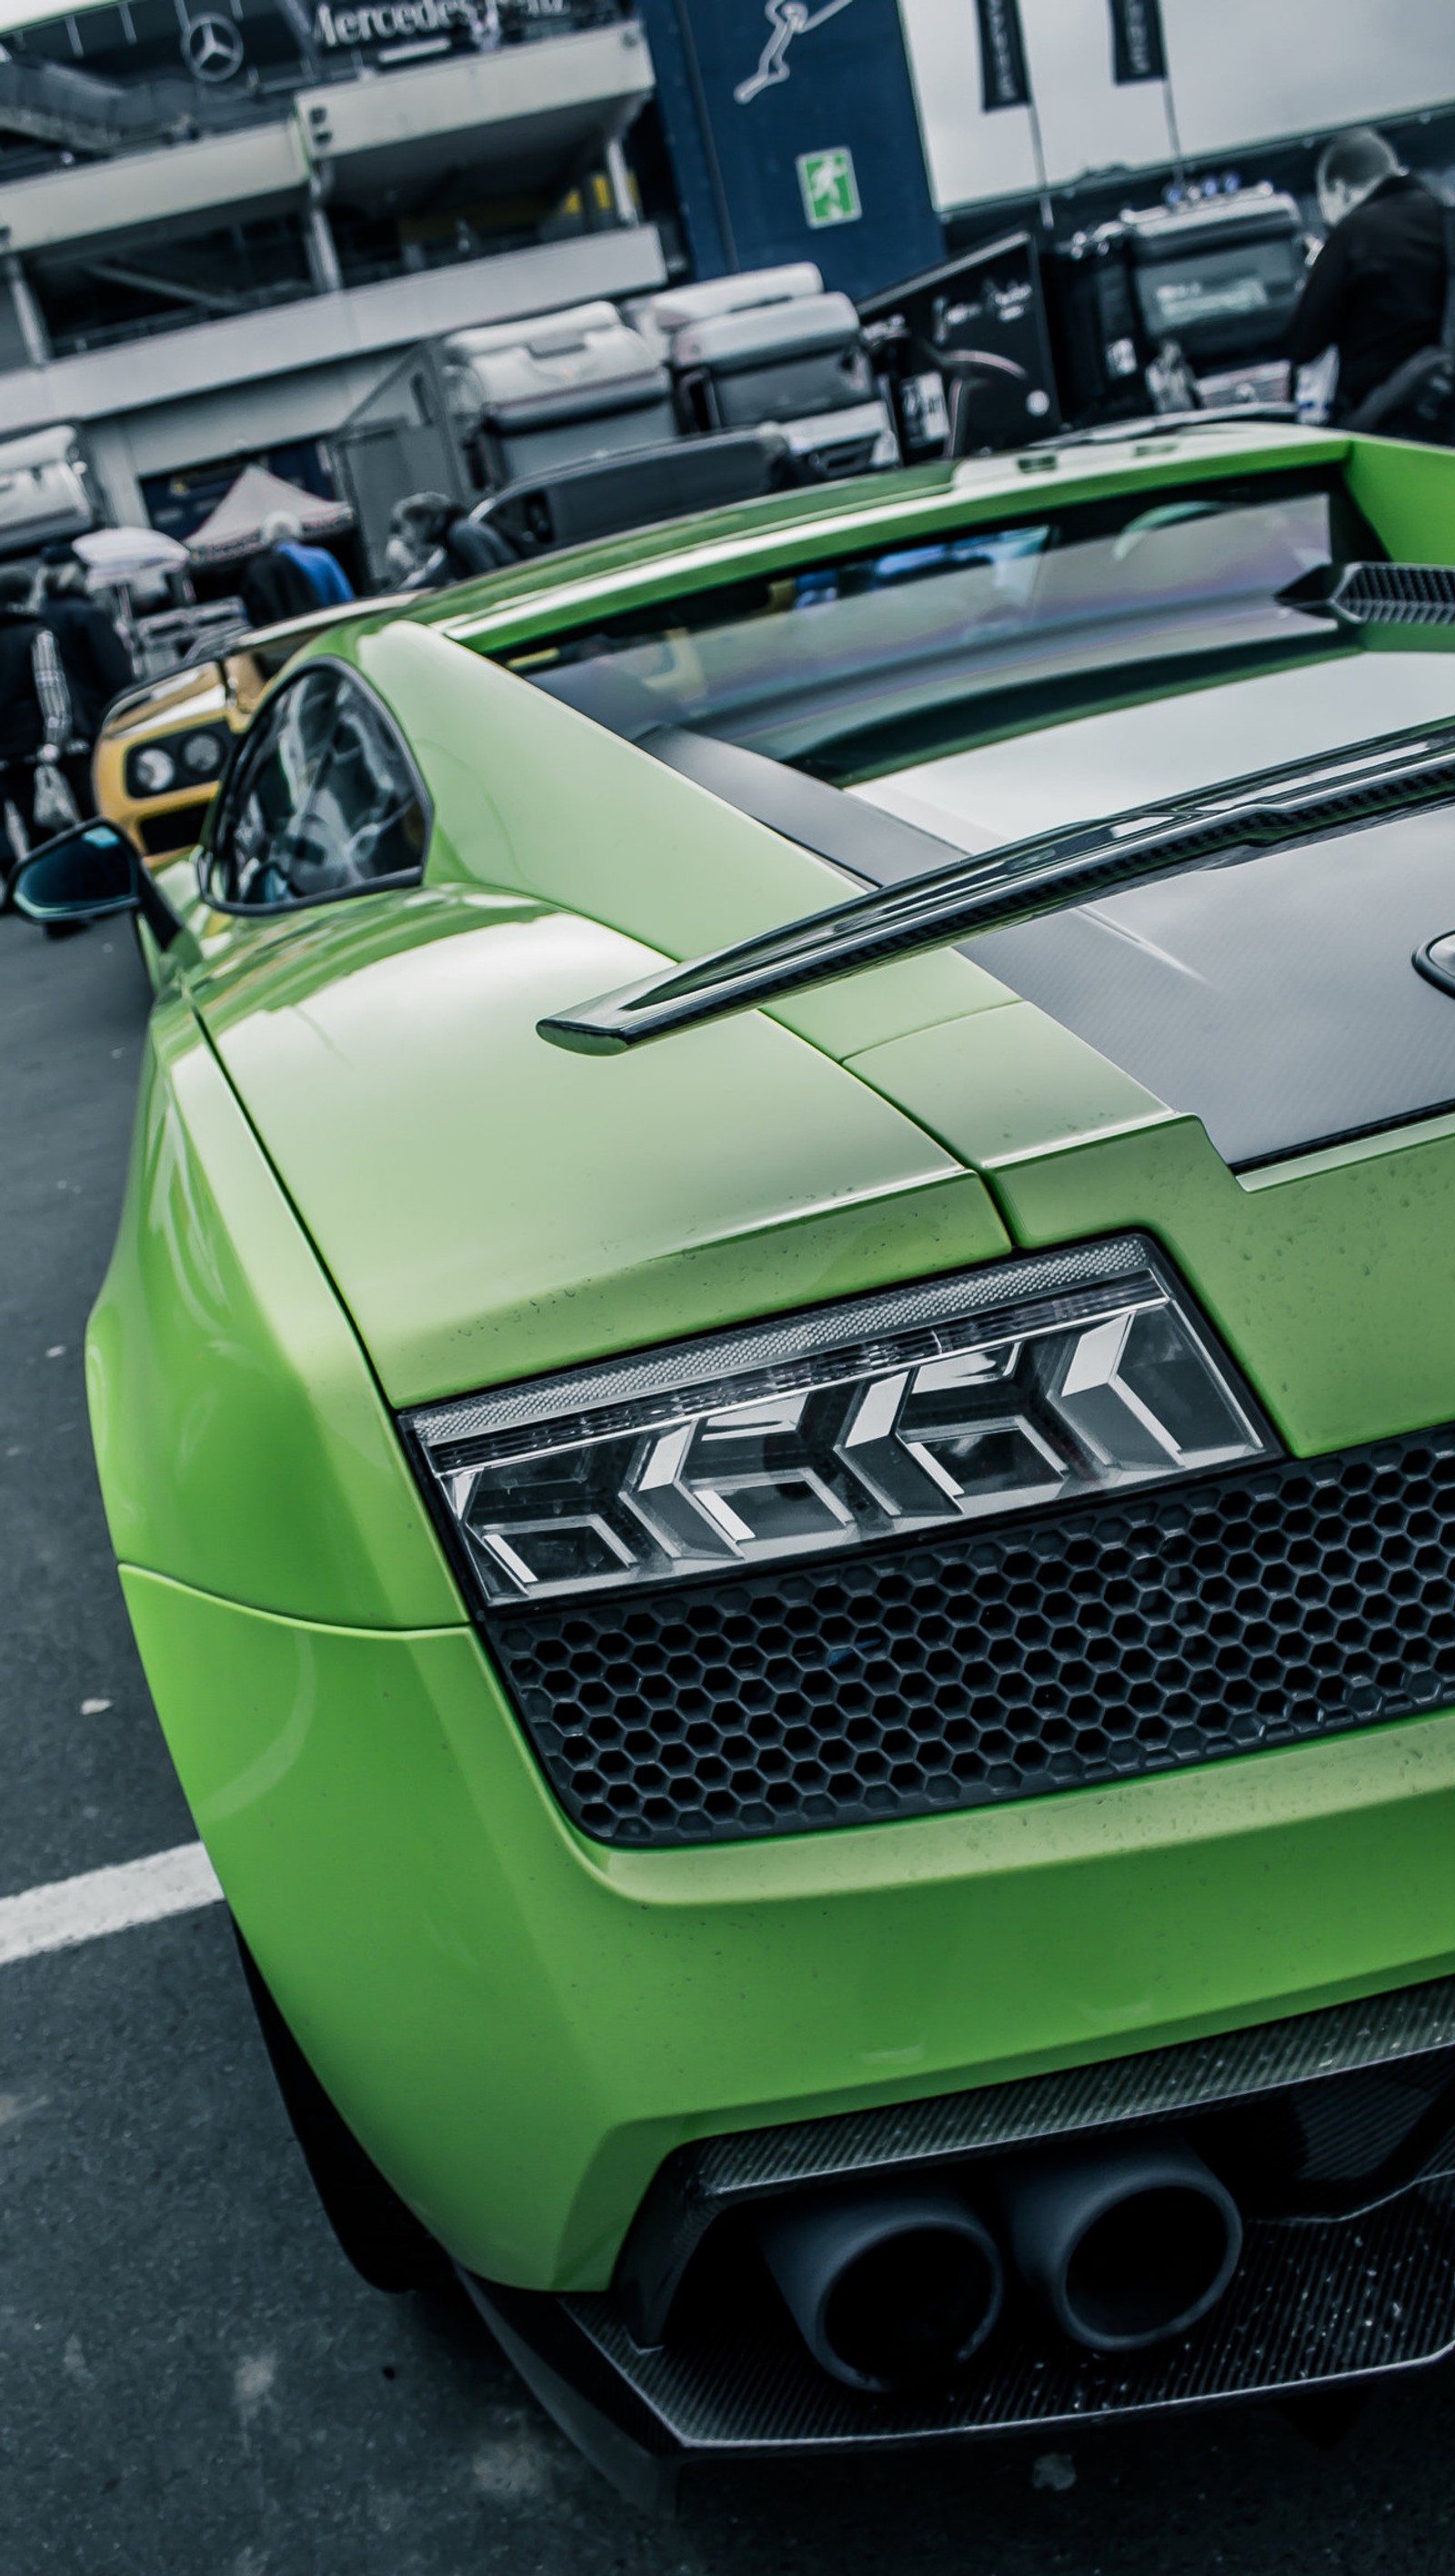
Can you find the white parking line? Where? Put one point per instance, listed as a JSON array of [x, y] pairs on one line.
[[71, 1910]]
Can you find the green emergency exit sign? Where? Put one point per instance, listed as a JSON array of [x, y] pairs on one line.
[[830, 189]]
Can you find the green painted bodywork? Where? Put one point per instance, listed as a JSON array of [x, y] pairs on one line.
[[361, 1181], [520, 2024]]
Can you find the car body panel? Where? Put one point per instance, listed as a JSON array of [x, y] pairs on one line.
[[530, 1225], [217, 1343], [578, 817], [511, 1244], [1005, 1083], [1330, 1275], [519, 2025], [1406, 491], [362, 1181], [218, 1339]]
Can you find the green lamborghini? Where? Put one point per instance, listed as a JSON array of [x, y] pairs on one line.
[[776, 1401]]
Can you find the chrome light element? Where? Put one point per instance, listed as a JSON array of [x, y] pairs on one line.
[[155, 770], [999, 1390], [202, 754]]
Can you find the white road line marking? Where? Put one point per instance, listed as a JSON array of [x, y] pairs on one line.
[[72, 1910]]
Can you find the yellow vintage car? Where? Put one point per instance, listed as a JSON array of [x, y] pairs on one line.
[[164, 745]]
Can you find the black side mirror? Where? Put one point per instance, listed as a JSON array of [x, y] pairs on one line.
[[87, 873]]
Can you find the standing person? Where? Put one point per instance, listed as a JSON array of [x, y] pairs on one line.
[[329, 579], [1376, 292], [96, 663], [35, 705], [274, 586], [436, 525]]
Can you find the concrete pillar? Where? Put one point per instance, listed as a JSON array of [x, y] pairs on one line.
[[328, 277], [619, 180], [28, 315]]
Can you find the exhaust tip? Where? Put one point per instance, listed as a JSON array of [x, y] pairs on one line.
[[887, 2290], [1151, 2266], [1128, 2247]]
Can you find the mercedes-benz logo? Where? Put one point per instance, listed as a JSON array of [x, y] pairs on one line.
[[212, 49]]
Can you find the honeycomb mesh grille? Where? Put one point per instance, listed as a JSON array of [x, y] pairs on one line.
[[1052, 1652]]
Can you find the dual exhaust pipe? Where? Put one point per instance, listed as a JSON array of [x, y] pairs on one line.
[[1124, 2246]]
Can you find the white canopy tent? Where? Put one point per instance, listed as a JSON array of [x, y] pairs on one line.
[[235, 526], [120, 555]]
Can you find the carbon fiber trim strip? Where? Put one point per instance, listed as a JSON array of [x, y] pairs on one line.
[[1155, 2086], [1387, 774], [700, 2183]]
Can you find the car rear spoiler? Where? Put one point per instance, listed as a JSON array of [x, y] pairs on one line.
[[1001, 888]]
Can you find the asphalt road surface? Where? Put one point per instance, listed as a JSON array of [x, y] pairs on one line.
[[191, 2379]]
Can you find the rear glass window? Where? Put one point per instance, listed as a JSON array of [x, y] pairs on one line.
[[848, 668]]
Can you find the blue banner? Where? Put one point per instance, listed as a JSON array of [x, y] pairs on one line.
[[793, 134]]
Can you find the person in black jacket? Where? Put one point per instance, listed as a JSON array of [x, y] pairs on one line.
[[96, 663], [1376, 292], [447, 541], [274, 586], [35, 708]]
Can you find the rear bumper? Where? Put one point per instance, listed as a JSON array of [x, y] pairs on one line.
[[1325, 2310], [521, 2026], [1337, 2129]]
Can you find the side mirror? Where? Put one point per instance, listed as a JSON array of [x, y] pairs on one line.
[[87, 873]]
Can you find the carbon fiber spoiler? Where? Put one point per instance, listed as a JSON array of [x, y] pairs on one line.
[[1001, 888]]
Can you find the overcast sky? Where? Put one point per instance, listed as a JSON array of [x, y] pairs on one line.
[[1241, 69]]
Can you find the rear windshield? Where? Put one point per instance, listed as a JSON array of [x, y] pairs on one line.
[[852, 668]]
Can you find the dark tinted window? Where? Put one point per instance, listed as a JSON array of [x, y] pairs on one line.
[[1247, 285], [324, 800], [857, 666]]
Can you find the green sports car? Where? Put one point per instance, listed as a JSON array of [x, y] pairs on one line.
[[807, 1599]]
